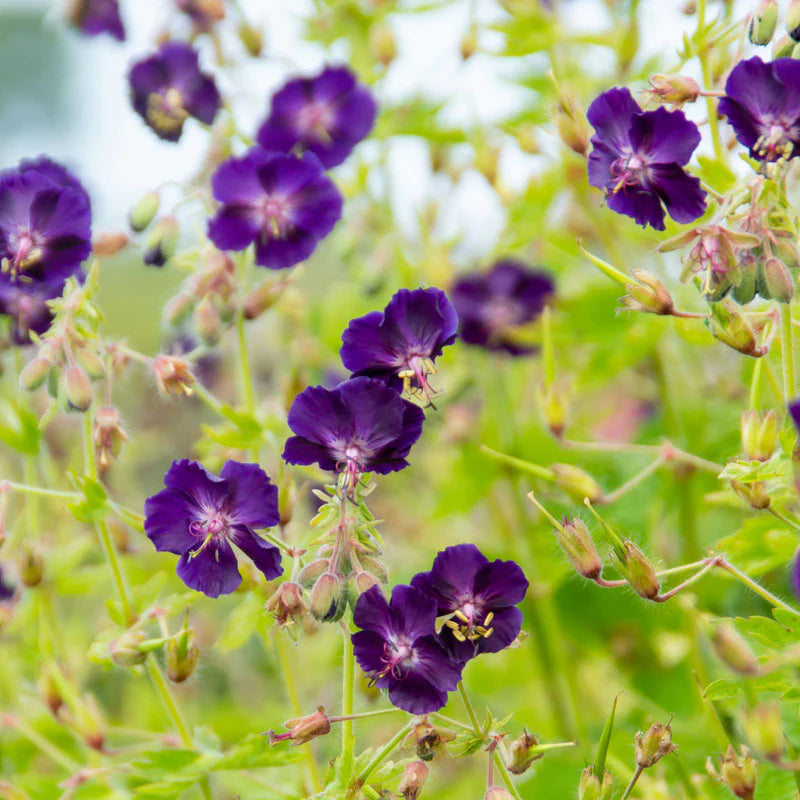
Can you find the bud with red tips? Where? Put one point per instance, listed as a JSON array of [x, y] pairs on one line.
[[636, 568], [107, 435], [287, 605], [303, 729], [648, 294], [328, 597], [161, 242], [579, 548], [172, 375], [674, 90], [653, 744], [35, 373], [413, 779], [738, 773]]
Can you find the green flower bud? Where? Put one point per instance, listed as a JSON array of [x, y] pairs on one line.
[[759, 436], [754, 494], [144, 212], [554, 407], [571, 125], [637, 570], [182, 655], [648, 294], [579, 548], [764, 728], [783, 47], [777, 280], [327, 597], [576, 483], [91, 362], [590, 787], [35, 373], [31, 566], [382, 43], [732, 328], [77, 388], [793, 19], [162, 242], [362, 581], [469, 43], [653, 744], [731, 647], [738, 773], [763, 22], [413, 779], [126, 651], [522, 753]]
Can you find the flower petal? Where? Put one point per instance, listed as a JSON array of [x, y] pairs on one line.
[[213, 571]]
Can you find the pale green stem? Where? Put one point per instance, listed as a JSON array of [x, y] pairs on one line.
[[45, 745], [758, 589], [211, 402], [385, 752], [519, 463], [784, 519], [348, 686], [713, 119], [36, 490], [787, 353], [634, 779], [608, 269], [755, 385], [633, 482]]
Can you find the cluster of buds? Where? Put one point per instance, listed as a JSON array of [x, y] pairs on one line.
[[592, 788], [737, 772]]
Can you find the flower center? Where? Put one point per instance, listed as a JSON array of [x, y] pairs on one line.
[[398, 658], [466, 623], [24, 252], [776, 142], [165, 111], [415, 380], [213, 527], [315, 119], [351, 464], [630, 169], [276, 215]]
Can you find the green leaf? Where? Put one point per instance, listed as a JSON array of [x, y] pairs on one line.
[[759, 546], [717, 175], [21, 431], [605, 740], [242, 623], [767, 632]]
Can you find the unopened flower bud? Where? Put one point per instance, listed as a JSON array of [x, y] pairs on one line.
[[49, 691], [427, 739], [777, 281], [31, 566], [251, 38], [648, 294], [144, 212], [177, 308], [576, 483], [738, 773], [363, 580], [107, 435], [303, 729], [287, 605], [161, 242], [579, 548], [497, 793], [109, 244], [755, 494], [91, 363], [759, 436], [764, 728], [590, 787], [637, 570], [413, 779], [182, 655], [263, 297], [572, 126], [375, 567], [35, 373], [732, 648], [89, 723], [783, 46], [207, 321], [172, 375], [675, 90], [469, 43], [653, 744], [522, 753], [732, 328], [76, 388], [382, 43], [763, 22], [126, 651], [326, 597], [793, 19], [553, 405], [311, 571]]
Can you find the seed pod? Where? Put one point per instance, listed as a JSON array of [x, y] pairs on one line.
[[738, 773], [637, 570], [182, 655], [35, 373], [576, 483], [327, 597], [759, 437], [126, 651], [522, 753], [579, 548], [653, 744], [144, 212], [77, 388], [310, 572], [763, 22], [91, 362], [413, 779]]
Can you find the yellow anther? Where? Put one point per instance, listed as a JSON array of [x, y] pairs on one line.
[[460, 636], [462, 616], [488, 633], [489, 618]]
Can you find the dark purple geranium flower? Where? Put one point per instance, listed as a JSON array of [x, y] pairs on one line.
[[796, 574], [25, 304], [479, 596], [400, 343], [328, 115], [203, 13], [360, 426], [397, 646], [638, 158], [490, 305], [199, 515], [285, 204], [93, 17], [762, 103], [168, 87]]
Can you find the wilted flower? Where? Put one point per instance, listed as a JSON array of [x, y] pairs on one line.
[[401, 343], [199, 515], [360, 426], [303, 729], [203, 13], [762, 103], [327, 115], [397, 646], [284, 203], [168, 87], [653, 744], [93, 17], [172, 375], [738, 773], [673, 90], [490, 305], [638, 158], [478, 595]]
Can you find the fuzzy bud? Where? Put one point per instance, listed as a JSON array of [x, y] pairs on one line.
[[91, 363], [303, 729], [109, 244], [76, 388], [311, 572], [777, 281], [497, 793], [759, 436], [763, 22], [172, 375], [522, 753], [126, 651], [207, 321], [576, 483], [554, 407], [182, 655], [674, 90], [382, 43], [161, 242], [754, 494], [590, 787], [49, 691], [107, 435], [326, 597], [653, 744], [783, 46], [637, 570], [413, 779], [764, 728], [89, 723], [579, 548], [427, 739], [35, 373], [571, 125], [144, 212], [31, 566], [731, 647], [287, 605], [648, 294], [793, 20], [362, 581], [738, 773], [263, 297], [251, 38]]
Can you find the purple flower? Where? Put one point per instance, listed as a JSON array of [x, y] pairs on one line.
[[25, 304], [6, 590], [490, 305], [400, 343], [638, 157], [762, 103], [360, 426], [203, 13], [93, 17], [328, 115], [168, 87], [285, 204], [397, 646], [199, 515], [480, 597], [796, 574]]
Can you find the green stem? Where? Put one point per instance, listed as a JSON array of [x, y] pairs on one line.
[[45, 745], [384, 752], [634, 779], [208, 398], [755, 384], [36, 490], [348, 686], [705, 68], [468, 706], [110, 554], [608, 269], [519, 463], [787, 353], [758, 589], [633, 482]]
